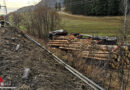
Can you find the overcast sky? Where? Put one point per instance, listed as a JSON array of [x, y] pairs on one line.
[[15, 4]]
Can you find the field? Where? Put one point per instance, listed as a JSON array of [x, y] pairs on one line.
[[103, 26]]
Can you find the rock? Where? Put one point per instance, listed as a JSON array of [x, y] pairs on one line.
[[24, 87], [26, 73]]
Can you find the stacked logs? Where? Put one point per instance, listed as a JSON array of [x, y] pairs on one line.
[[89, 48]]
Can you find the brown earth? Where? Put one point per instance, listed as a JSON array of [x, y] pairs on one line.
[[45, 72]]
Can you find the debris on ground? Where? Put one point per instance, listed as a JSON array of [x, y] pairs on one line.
[[20, 57]]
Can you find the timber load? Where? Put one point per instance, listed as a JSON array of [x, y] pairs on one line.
[[90, 49]]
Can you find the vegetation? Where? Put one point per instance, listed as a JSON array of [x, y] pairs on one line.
[[94, 7], [106, 26], [101, 26], [38, 22]]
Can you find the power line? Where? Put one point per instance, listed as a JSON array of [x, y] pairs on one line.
[[4, 6]]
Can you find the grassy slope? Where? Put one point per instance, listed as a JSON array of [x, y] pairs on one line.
[[105, 26]]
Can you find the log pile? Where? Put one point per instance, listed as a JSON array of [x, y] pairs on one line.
[[88, 48]]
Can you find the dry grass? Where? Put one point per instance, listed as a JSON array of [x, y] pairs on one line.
[[93, 70]]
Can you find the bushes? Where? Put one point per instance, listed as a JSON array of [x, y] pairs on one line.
[[38, 22]]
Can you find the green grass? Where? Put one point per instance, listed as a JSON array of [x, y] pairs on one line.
[[104, 26]]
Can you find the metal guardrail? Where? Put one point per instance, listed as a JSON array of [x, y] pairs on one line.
[[68, 67]]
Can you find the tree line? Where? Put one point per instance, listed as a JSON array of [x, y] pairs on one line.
[[95, 7]]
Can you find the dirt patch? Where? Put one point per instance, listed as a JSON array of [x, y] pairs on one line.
[[18, 53]]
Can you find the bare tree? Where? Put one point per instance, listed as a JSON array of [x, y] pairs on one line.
[[46, 19], [17, 19], [41, 21]]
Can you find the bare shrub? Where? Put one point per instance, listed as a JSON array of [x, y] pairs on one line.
[[38, 22], [16, 19], [41, 21]]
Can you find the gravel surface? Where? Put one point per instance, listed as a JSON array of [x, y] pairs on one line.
[[17, 53]]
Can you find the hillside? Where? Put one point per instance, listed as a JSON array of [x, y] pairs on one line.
[[50, 3], [25, 9]]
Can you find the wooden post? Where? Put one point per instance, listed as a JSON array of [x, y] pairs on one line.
[[125, 19]]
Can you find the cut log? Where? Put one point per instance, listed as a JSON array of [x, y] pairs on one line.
[[58, 45], [58, 41], [65, 37], [72, 49], [97, 58], [98, 52], [97, 55]]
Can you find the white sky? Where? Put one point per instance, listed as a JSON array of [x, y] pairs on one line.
[[15, 4]]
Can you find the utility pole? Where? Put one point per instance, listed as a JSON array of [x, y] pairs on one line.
[[125, 18], [5, 8]]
